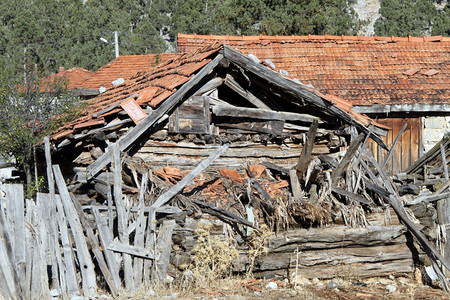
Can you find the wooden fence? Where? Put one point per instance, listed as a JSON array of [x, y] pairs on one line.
[[52, 247]]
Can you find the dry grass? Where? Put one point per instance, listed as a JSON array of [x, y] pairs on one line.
[[257, 246], [212, 260]]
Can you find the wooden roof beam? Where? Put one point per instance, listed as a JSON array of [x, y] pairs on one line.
[[125, 141], [294, 88]]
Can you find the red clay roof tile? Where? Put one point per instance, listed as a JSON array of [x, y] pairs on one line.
[[363, 70], [72, 77], [123, 67]]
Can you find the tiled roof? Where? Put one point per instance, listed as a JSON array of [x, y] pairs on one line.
[[123, 67], [73, 77], [154, 85], [363, 70]]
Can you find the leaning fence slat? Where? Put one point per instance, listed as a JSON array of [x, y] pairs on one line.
[[39, 279], [8, 287], [89, 282], [47, 229], [140, 231], [15, 209], [19, 229], [105, 238], [150, 244], [37, 289], [164, 247], [29, 253], [95, 247], [67, 271], [51, 225], [7, 258], [110, 206], [122, 216]]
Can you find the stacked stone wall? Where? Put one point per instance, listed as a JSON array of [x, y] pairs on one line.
[[434, 129]]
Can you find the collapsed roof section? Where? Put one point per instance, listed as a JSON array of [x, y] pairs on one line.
[[363, 70], [221, 83]]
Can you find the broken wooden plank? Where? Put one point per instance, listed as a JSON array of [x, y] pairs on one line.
[[8, 285], [48, 209], [7, 264], [431, 155], [139, 237], [349, 154], [295, 186], [150, 243], [350, 195], [122, 216], [209, 86], [163, 248], [444, 162], [263, 114], [276, 168], [49, 239], [131, 250], [160, 210], [105, 239], [39, 277], [89, 282], [232, 84], [267, 206], [67, 271], [126, 140], [395, 202], [164, 198], [222, 214], [95, 247], [429, 198], [268, 127], [305, 156], [29, 240]]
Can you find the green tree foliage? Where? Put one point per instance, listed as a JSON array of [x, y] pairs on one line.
[[27, 110], [300, 17], [202, 17], [412, 17], [441, 25], [48, 34]]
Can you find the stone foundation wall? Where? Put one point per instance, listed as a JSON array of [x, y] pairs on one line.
[[434, 129]]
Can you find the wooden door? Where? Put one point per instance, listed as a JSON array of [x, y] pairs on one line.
[[408, 148]]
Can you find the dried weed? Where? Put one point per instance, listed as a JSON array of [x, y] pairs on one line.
[[212, 260]]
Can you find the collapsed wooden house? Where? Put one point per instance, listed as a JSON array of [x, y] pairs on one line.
[[395, 80], [217, 137]]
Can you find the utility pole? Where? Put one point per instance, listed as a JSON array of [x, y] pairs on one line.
[[116, 43]]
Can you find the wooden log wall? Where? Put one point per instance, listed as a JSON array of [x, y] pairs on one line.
[[377, 250]]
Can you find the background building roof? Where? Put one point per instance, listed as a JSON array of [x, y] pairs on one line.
[[363, 70], [123, 67]]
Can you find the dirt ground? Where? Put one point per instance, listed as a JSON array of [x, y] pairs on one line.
[[400, 288]]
